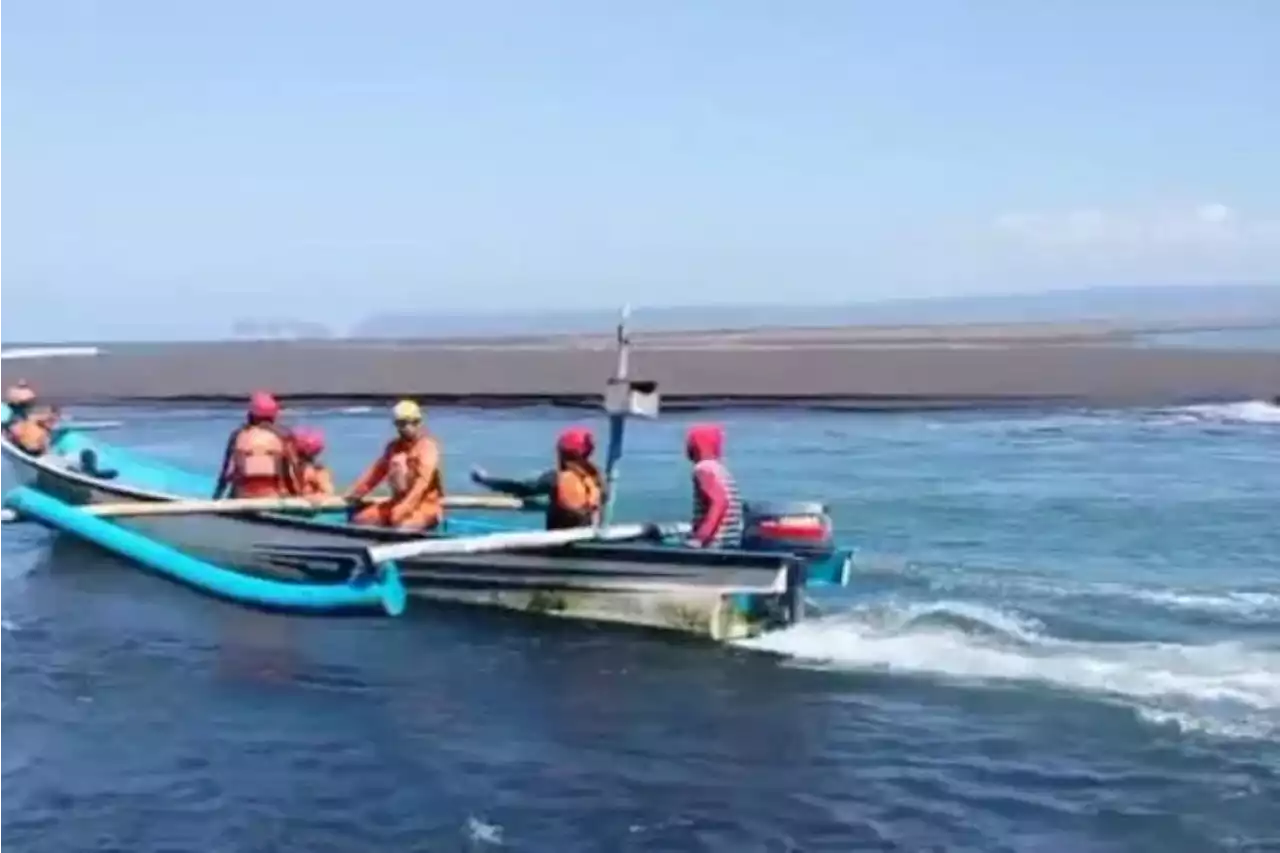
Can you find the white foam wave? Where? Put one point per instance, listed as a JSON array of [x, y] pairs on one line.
[[1227, 687], [1250, 604], [1249, 411], [1239, 603]]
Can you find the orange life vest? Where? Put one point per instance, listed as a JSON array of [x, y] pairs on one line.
[[258, 457], [315, 479], [407, 461], [30, 435], [576, 498]]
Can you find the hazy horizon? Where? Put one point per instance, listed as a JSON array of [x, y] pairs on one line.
[[1152, 304]]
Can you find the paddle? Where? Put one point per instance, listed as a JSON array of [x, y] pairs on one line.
[[199, 507], [517, 540]]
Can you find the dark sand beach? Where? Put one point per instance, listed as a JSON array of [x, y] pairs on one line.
[[851, 367]]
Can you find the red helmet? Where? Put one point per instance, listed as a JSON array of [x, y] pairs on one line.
[[577, 442], [20, 394], [263, 406], [310, 442]]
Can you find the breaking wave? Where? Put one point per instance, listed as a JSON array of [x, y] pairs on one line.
[[1249, 411], [1229, 688]]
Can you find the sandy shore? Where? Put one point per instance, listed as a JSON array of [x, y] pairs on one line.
[[871, 368]]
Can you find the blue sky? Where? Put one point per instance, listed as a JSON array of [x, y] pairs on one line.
[[174, 166]]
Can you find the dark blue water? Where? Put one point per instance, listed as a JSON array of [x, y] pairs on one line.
[[1064, 635]]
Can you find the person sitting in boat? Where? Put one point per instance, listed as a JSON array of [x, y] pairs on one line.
[[314, 477], [574, 488], [717, 508], [33, 433], [259, 461], [410, 463], [20, 398]]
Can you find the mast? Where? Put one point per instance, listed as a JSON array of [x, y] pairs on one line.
[[617, 415]]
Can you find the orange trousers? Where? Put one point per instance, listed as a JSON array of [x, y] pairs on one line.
[[378, 514]]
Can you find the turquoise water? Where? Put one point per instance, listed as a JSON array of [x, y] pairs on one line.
[[1063, 635]]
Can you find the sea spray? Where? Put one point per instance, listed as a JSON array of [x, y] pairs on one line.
[[1226, 685]]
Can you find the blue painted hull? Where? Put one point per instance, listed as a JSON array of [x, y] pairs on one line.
[[385, 592]]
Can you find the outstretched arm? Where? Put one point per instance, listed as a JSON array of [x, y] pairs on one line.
[[532, 487], [370, 479]]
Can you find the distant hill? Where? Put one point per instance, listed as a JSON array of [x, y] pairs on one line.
[[1141, 304]]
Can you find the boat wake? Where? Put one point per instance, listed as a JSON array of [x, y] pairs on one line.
[[1257, 605], [1229, 689]]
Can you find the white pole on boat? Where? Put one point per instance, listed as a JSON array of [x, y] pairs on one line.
[[617, 421]]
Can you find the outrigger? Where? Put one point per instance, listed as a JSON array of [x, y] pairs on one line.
[[297, 556]]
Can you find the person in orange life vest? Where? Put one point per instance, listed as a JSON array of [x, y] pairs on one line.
[[314, 477], [259, 461], [33, 433], [410, 463], [574, 488], [717, 508], [20, 398]]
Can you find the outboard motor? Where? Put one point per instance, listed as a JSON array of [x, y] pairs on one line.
[[801, 528]]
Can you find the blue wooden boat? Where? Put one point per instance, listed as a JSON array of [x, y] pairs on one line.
[[722, 594]]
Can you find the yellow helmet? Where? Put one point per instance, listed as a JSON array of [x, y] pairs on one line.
[[407, 410]]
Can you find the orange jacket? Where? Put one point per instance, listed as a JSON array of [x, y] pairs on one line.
[[258, 462], [412, 469], [575, 497], [29, 434], [315, 479]]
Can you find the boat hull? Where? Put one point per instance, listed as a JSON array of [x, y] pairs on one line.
[[722, 595]]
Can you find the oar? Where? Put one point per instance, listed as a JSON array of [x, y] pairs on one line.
[[516, 540], [231, 505], [205, 507], [87, 426]]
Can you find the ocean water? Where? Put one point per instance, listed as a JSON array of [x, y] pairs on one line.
[[1063, 635]]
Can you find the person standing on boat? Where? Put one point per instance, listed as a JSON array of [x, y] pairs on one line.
[[717, 508], [314, 478], [259, 461], [574, 488], [410, 463]]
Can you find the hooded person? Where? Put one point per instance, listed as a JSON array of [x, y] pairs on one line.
[[314, 478], [574, 488], [259, 461], [410, 465], [717, 508]]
